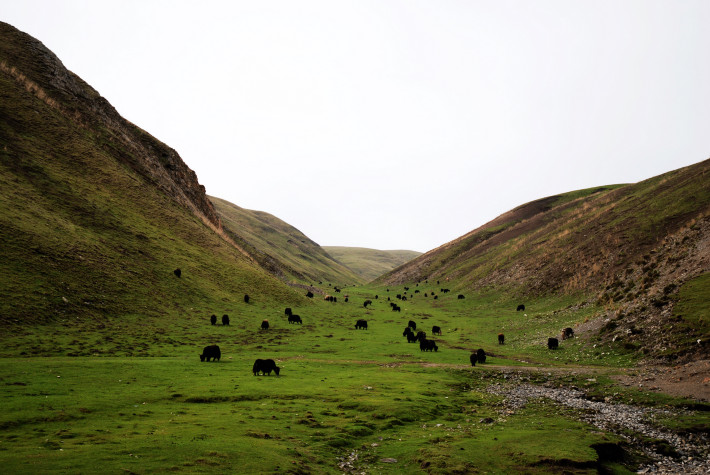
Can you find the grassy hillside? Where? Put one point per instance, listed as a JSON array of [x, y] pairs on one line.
[[279, 247], [628, 247], [370, 263], [95, 214]]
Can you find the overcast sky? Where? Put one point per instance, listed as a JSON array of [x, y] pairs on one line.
[[397, 124]]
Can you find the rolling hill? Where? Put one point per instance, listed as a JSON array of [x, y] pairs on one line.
[[280, 248], [370, 263], [639, 249]]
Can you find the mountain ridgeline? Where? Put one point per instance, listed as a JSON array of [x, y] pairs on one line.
[[640, 250], [96, 214]]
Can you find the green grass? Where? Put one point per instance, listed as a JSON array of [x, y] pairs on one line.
[[137, 398]]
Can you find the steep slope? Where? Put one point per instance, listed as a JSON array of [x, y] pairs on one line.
[[95, 214], [630, 247], [370, 263], [280, 248]]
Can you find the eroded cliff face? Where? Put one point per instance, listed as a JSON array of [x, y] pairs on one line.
[[41, 73]]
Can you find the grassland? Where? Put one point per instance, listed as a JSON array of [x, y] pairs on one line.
[[132, 395]]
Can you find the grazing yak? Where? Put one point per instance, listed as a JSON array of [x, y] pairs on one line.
[[264, 324], [309, 294], [520, 307], [288, 311], [294, 319], [225, 319], [427, 345], [411, 337], [501, 338], [177, 273], [265, 367], [481, 355], [396, 308], [412, 324], [461, 296], [436, 330], [407, 331], [473, 358], [213, 319], [246, 298], [552, 343], [366, 303], [567, 333], [361, 324], [211, 353]]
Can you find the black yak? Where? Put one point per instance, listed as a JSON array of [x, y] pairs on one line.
[[501, 338], [294, 319], [366, 303], [412, 324], [213, 319], [246, 298], [177, 272], [473, 358], [567, 333], [407, 331], [520, 307], [552, 343], [265, 367], [264, 324], [288, 311], [225, 319], [361, 324], [427, 345], [481, 355], [211, 352], [436, 330], [309, 294], [461, 296]]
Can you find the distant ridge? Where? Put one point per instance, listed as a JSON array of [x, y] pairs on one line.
[[280, 248], [370, 263]]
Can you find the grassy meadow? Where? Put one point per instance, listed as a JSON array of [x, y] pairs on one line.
[[132, 395]]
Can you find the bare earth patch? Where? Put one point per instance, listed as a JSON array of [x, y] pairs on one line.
[[691, 380]]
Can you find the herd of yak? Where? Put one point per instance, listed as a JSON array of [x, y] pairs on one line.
[[267, 366]]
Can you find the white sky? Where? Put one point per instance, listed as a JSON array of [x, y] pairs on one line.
[[397, 124]]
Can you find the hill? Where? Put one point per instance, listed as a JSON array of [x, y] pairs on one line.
[[370, 263], [96, 214], [280, 248], [639, 249]]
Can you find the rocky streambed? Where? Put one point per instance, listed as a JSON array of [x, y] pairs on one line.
[[677, 454]]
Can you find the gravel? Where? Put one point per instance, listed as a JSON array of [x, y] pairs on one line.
[[693, 450]]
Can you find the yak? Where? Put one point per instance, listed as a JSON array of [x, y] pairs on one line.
[[520, 307], [552, 343], [412, 324], [211, 353], [225, 319], [481, 355], [264, 324], [293, 318], [288, 311], [177, 273], [567, 333], [436, 330], [501, 338], [427, 345], [265, 367], [361, 324], [213, 319]]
